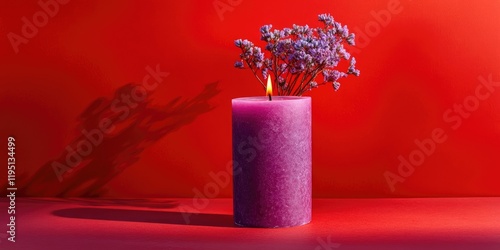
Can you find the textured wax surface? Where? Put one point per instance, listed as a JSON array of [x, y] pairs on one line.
[[272, 161]]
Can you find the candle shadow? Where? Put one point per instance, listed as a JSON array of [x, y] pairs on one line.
[[103, 202], [162, 217], [98, 153]]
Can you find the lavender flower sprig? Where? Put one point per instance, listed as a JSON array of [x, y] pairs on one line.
[[298, 55]]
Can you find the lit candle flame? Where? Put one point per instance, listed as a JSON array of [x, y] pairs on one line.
[[269, 89]]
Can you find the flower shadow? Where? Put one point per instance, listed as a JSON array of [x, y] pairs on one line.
[[98, 153]]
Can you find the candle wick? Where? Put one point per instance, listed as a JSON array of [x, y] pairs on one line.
[[270, 99]]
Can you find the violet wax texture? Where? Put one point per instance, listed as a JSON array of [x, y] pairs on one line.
[[272, 161]]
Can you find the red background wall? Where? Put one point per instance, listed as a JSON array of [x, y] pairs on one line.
[[414, 68]]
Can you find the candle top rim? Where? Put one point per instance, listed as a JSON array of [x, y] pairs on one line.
[[275, 98]]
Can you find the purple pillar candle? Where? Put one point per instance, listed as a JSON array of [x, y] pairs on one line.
[[272, 161]]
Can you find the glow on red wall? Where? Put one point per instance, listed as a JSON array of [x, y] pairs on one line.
[[423, 119]]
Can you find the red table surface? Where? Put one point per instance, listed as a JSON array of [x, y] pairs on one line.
[[415, 223]]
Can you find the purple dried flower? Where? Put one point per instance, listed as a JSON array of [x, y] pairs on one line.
[[266, 28], [278, 34], [336, 86], [239, 65], [326, 18], [352, 68], [343, 53], [287, 31], [299, 54], [266, 34], [332, 75], [258, 57], [350, 39], [237, 42], [264, 73], [301, 31], [246, 44], [270, 47], [345, 32], [338, 28], [283, 67], [268, 63]]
